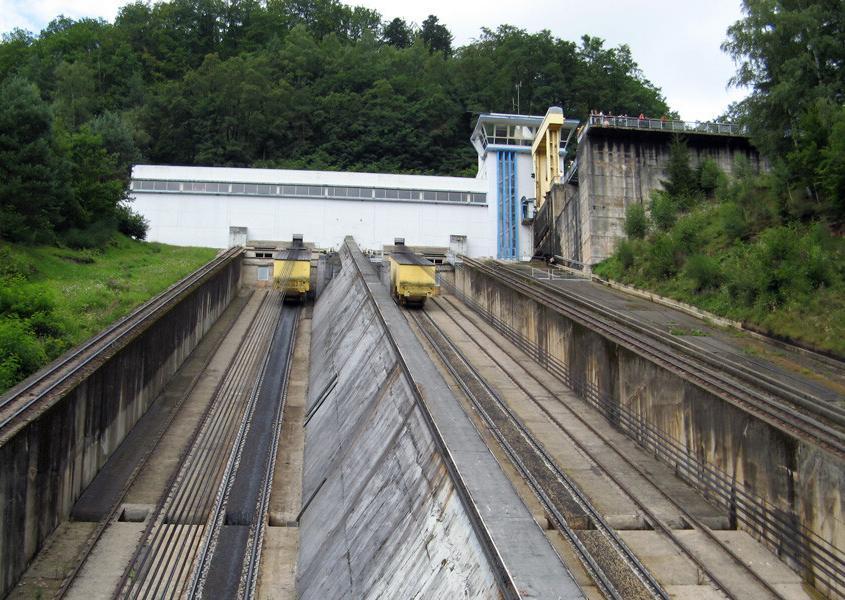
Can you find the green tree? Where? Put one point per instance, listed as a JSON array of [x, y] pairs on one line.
[[682, 183], [32, 173], [636, 224], [792, 57], [397, 33], [663, 211], [436, 36], [75, 93]]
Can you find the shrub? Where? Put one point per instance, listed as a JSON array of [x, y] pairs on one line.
[[12, 265], [710, 177], [704, 272], [20, 352], [625, 254], [131, 223], [636, 224], [687, 234], [732, 220], [663, 211], [96, 235], [23, 300], [662, 257]]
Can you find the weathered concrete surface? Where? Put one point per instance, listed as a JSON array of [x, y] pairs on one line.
[[382, 515], [793, 481], [618, 167], [46, 463]]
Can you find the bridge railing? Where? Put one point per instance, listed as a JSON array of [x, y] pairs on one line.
[[622, 122]]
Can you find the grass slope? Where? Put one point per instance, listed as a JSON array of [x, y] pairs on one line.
[[787, 280], [53, 298]]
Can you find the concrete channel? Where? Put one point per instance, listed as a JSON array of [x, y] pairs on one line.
[[52, 453]]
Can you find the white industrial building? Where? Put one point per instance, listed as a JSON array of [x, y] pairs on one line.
[[213, 206]]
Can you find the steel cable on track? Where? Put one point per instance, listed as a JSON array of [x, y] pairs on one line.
[[610, 583], [184, 505], [61, 369], [216, 520], [770, 523], [655, 521], [195, 494], [705, 376]]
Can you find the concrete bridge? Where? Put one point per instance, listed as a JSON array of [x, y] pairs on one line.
[[525, 435]]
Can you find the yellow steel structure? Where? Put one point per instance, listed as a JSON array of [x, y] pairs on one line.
[[412, 283], [545, 152]]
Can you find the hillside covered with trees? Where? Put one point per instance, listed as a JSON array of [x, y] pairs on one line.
[[311, 84]]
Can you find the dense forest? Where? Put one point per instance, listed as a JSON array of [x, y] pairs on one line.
[[311, 84]]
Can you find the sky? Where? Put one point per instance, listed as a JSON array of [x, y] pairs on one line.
[[675, 42]]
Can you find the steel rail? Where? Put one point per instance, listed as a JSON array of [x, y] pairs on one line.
[[216, 520], [602, 579], [196, 500], [751, 376], [73, 361], [775, 527], [112, 514], [250, 580], [654, 520], [681, 363], [213, 427], [231, 371]]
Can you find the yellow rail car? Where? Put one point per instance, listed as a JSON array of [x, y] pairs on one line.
[[412, 277], [292, 270]]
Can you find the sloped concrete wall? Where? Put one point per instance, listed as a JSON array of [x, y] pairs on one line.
[[382, 516], [795, 482], [45, 464]]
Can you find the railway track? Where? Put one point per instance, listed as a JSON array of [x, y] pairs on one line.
[[786, 407], [776, 528], [613, 566], [764, 588], [161, 565], [18, 400], [115, 509], [228, 561]]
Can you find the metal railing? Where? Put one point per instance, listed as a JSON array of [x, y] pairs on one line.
[[624, 122]]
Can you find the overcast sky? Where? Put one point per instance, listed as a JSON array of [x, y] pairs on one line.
[[675, 42]]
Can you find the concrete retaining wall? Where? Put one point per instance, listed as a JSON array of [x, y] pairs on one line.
[[618, 167], [47, 463], [382, 516], [801, 483]]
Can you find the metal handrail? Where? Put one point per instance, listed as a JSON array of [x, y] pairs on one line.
[[625, 122]]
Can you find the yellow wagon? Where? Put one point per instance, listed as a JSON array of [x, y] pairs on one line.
[[412, 277], [292, 270]]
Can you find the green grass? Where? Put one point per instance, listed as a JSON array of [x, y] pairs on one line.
[[54, 298]]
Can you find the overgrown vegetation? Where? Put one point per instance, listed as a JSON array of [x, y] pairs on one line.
[[53, 298], [736, 255], [762, 248]]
